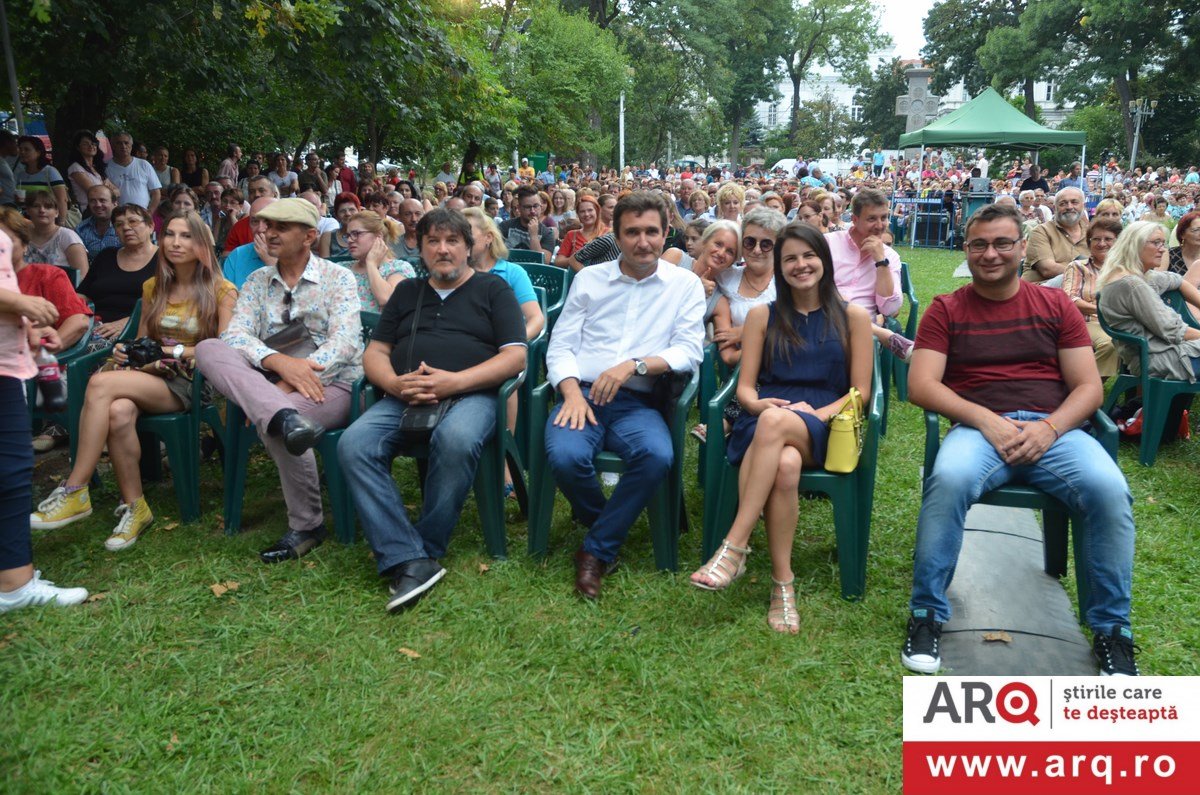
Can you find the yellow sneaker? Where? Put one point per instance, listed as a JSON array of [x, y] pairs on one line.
[[61, 508], [134, 519]]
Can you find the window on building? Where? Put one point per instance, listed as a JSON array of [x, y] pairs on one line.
[[773, 115], [1049, 92], [856, 112]]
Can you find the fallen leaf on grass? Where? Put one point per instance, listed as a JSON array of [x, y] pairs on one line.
[[1151, 500], [409, 653], [220, 588], [96, 597], [310, 564], [484, 568], [172, 742], [169, 526], [992, 637], [7, 639]]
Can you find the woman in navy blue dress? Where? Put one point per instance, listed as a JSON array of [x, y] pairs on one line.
[[800, 356]]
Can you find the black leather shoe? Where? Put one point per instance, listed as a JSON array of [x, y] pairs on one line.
[[299, 433], [294, 545], [411, 581]]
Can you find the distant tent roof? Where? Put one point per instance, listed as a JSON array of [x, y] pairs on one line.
[[989, 120]]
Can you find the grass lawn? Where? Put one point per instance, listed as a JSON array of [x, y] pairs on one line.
[[502, 680]]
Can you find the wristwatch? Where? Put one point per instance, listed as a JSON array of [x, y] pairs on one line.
[[639, 367], [881, 263], [177, 352]]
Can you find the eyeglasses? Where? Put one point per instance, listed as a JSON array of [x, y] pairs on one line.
[[287, 307], [1157, 243], [1002, 245], [356, 234], [766, 245]]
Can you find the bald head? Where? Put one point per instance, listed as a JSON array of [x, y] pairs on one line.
[[256, 207], [311, 196], [455, 203], [411, 212]]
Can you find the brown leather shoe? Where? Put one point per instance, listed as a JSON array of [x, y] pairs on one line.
[[589, 570]]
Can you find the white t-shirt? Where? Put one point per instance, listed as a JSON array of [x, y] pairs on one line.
[[135, 181], [982, 165], [79, 193], [54, 250], [290, 178]]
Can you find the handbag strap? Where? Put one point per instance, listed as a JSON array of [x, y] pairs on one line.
[[412, 335]]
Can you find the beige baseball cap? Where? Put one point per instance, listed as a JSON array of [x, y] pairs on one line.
[[292, 211]]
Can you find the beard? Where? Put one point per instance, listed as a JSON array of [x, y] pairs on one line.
[[1067, 218]]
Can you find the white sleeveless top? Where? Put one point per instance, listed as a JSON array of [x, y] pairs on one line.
[[728, 283]]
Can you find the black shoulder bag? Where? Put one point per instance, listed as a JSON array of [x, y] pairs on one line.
[[418, 422]]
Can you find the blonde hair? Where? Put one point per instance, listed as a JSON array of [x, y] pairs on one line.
[[487, 224], [1125, 257], [383, 226], [204, 282], [722, 225], [731, 189]]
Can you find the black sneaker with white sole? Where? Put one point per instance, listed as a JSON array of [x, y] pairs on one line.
[[412, 580], [922, 650], [1115, 652]]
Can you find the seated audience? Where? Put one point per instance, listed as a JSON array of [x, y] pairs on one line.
[[1055, 244], [1079, 283], [97, 232], [114, 282], [51, 243], [86, 169], [604, 373], [334, 243], [469, 339], [1130, 289], [1017, 402], [800, 357], [291, 399], [185, 302], [35, 175], [45, 281], [376, 271], [1185, 257], [587, 210], [746, 286], [527, 230]]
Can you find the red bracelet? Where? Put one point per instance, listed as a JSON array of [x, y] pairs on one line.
[[1057, 435]]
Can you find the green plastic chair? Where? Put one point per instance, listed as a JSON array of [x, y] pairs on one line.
[[666, 506], [179, 432], [713, 373], [1158, 394], [556, 281], [1055, 515], [524, 255], [899, 366], [852, 494], [239, 437], [534, 361]]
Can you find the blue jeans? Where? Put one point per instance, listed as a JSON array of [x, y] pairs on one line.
[[16, 475], [630, 427], [367, 449], [1075, 469]]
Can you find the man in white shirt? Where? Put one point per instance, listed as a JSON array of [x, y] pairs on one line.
[[625, 322], [134, 177]]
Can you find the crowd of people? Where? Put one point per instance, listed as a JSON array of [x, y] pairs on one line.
[[258, 277]]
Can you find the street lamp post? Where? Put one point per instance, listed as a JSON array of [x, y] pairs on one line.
[[1139, 109]]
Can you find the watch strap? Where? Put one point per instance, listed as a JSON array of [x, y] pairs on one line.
[[881, 263]]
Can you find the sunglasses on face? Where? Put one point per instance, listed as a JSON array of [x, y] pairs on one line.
[[766, 245]]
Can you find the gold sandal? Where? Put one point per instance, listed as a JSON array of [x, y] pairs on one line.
[[782, 615], [720, 569]]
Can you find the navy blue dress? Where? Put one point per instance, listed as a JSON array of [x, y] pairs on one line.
[[817, 374]]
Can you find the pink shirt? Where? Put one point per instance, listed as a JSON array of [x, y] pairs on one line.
[[15, 361], [854, 274]]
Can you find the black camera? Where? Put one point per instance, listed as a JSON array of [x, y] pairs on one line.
[[143, 351]]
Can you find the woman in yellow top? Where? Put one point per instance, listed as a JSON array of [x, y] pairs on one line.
[[185, 302]]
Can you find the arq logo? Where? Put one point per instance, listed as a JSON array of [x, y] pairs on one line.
[[1016, 702]]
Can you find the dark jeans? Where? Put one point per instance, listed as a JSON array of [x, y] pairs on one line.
[[16, 476]]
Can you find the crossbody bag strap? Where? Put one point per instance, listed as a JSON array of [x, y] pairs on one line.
[[412, 336]]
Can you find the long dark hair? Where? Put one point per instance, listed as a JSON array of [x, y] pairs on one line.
[[96, 165], [39, 146], [204, 282], [782, 337]]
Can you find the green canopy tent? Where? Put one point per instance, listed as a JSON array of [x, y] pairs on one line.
[[989, 120]]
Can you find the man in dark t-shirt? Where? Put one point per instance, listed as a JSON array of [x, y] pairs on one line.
[[467, 338], [1035, 180], [1011, 365]]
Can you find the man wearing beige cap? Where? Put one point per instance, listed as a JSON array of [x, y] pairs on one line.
[[307, 306]]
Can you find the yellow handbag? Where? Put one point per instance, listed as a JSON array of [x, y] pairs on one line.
[[846, 435]]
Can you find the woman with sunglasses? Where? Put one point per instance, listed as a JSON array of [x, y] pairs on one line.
[[750, 284], [1130, 287], [186, 301], [1079, 283], [801, 355]]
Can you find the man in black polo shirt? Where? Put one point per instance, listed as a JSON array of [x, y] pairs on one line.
[[470, 339]]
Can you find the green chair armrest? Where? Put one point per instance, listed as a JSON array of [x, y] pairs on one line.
[[933, 439], [1105, 431], [1143, 348]]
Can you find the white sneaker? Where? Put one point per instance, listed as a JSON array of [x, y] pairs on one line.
[[610, 478], [40, 592]]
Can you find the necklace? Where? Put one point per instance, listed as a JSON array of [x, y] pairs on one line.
[[757, 290]]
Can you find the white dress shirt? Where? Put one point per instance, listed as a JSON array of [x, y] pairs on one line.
[[611, 318]]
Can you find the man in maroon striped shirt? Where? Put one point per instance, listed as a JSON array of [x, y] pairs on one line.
[[1010, 363]]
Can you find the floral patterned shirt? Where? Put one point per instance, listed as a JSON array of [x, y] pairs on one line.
[[326, 298], [366, 298]]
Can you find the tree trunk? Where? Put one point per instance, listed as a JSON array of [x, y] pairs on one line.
[[1030, 100], [1124, 95], [794, 125], [85, 103], [471, 154], [735, 138]]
